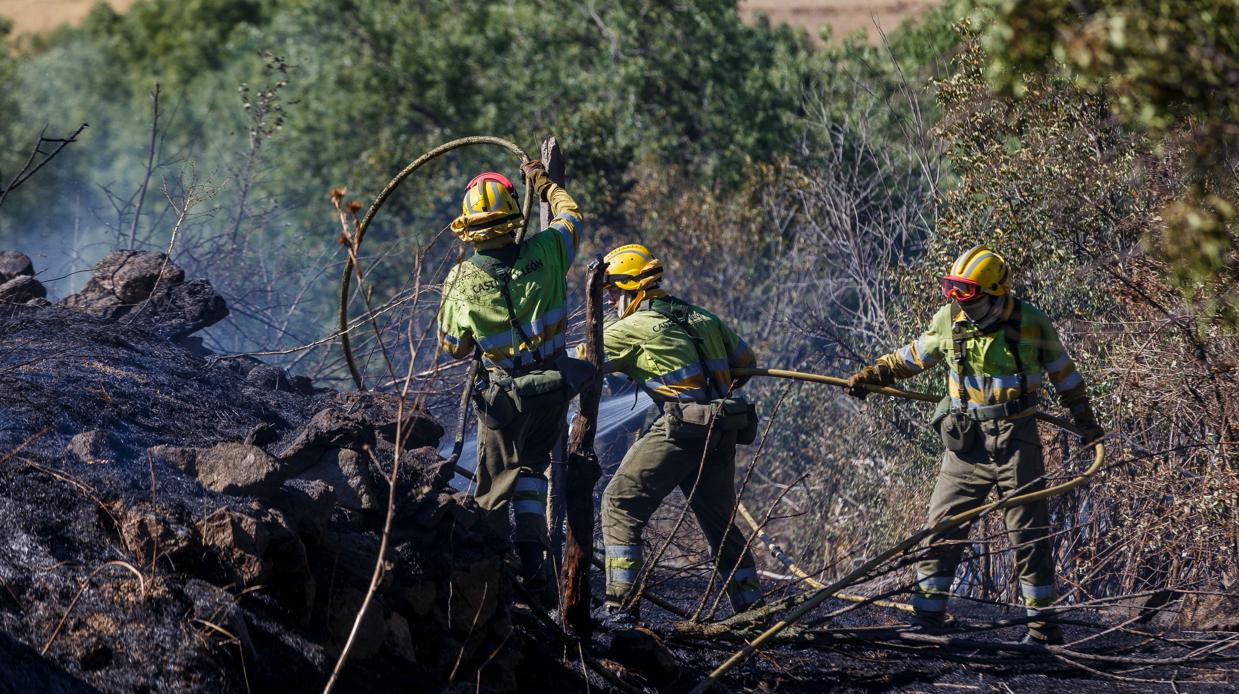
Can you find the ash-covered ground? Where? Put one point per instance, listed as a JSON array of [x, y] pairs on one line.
[[177, 521]]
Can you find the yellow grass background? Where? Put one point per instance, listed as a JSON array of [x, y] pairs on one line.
[[36, 16]]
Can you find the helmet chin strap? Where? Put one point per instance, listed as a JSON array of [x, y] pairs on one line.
[[627, 302]]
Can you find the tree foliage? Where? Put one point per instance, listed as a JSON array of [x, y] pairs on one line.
[[1170, 69]]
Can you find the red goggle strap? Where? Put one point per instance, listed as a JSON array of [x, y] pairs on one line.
[[492, 176]]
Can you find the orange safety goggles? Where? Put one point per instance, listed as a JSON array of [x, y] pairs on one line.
[[960, 289]]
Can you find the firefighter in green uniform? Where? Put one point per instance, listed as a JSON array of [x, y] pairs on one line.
[[682, 355], [509, 302], [999, 351]]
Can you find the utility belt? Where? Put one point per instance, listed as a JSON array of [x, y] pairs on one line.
[[692, 421], [1003, 410], [501, 395], [958, 427]]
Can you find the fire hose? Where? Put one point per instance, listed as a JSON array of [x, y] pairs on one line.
[[832, 590], [823, 591], [350, 264]]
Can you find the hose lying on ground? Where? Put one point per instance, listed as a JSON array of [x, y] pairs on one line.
[[908, 543]]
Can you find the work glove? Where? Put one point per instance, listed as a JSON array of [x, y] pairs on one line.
[[872, 375], [538, 179], [1084, 419]]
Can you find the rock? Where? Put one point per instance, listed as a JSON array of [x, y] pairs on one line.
[[327, 429], [642, 650], [381, 409], [422, 477], [373, 631], [416, 600], [130, 276], [240, 469], [21, 289], [151, 532], [167, 305], [240, 542], [94, 448], [215, 607], [1213, 611], [262, 435], [400, 639], [287, 568], [447, 507], [306, 504], [269, 377], [14, 264], [475, 594], [181, 310], [183, 459], [348, 473]]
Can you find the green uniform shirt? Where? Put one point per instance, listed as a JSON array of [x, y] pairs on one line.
[[473, 310], [656, 353], [989, 370]]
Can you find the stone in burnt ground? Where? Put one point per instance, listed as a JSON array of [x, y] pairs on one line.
[[213, 523], [17, 281]]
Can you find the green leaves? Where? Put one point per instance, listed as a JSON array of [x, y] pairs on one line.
[[1166, 69]]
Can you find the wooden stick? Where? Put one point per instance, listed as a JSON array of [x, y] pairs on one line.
[[583, 472]]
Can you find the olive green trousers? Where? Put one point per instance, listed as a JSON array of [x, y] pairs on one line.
[[652, 469], [1004, 455], [511, 470]]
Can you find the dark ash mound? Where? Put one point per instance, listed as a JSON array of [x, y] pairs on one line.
[[178, 522]]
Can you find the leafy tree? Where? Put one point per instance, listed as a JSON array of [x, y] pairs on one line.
[[1170, 69]]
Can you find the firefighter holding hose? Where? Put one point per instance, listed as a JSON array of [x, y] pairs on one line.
[[507, 301], [682, 355], [999, 351]]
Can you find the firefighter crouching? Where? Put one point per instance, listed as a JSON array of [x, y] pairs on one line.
[[999, 350], [682, 356]]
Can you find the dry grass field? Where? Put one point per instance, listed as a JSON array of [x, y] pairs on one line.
[[35, 16], [845, 16]]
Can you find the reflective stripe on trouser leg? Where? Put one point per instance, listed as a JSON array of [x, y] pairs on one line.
[[1036, 598], [931, 593], [529, 496], [529, 506], [743, 589], [623, 564]]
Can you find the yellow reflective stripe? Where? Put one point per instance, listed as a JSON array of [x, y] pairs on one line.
[[972, 265], [624, 563]]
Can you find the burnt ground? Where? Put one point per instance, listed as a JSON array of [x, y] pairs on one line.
[[176, 521], [866, 655]]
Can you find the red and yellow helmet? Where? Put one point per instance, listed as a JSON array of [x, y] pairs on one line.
[[489, 209], [977, 271]]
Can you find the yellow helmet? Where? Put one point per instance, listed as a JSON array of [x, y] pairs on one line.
[[633, 268], [489, 209], [977, 270]]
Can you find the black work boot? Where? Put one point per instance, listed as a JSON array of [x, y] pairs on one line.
[[614, 617], [536, 575], [1043, 635], [931, 622], [531, 555]]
